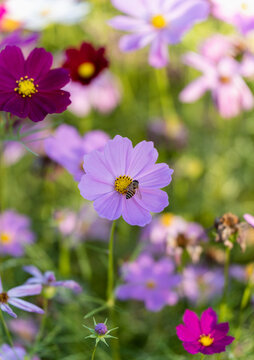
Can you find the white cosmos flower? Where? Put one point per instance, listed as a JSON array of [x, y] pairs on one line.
[[38, 14]]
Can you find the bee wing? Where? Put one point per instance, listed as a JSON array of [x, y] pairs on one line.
[[139, 194]]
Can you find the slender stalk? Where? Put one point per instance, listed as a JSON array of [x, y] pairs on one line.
[[42, 326], [93, 354], [110, 293], [64, 258], [163, 92], [6, 329]]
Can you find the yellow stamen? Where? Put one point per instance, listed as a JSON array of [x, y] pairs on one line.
[[225, 79], [166, 219], [10, 25], [121, 184], [5, 238], [26, 87], [150, 284], [86, 70], [206, 340], [159, 21]]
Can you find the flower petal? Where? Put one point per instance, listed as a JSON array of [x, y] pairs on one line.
[[153, 200], [220, 331], [158, 56], [191, 321], [12, 59], [192, 347], [194, 90], [126, 23], [134, 214], [101, 171], [25, 305], [185, 333], [132, 7], [17, 105], [92, 189], [109, 206], [208, 321], [38, 63], [33, 270], [69, 284], [25, 290], [158, 176], [54, 79], [135, 41], [6, 308]]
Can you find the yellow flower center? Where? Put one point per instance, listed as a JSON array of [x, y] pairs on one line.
[[121, 184], [244, 6], [206, 340], [86, 70], [159, 21], [4, 298], [26, 86], [225, 79], [10, 25], [150, 284], [5, 238], [166, 219]]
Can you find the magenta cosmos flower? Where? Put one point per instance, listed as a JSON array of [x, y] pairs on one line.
[[67, 147], [12, 297], [224, 79], [204, 336], [109, 176], [250, 219], [149, 281], [158, 22], [15, 233], [28, 88]]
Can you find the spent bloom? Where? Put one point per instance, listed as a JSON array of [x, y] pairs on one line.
[[12, 297], [152, 282], [48, 281], [110, 176], [15, 233], [204, 336], [86, 63], [28, 87], [158, 23], [103, 94], [239, 13], [37, 15], [67, 147], [250, 219]]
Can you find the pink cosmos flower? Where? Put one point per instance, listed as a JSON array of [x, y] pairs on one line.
[[239, 13], [204, 336], [67, 148], [157, 22], [13, 296], [250, 219], [110, 173], [224, 79]]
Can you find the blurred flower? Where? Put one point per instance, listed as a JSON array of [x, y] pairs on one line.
[[158, 23], [227, 226], [14, 353], [204, 336], [224, 79], [67, 148], [172, 235], [66, 221], [12, 297], [100, 332], [15, 233], [86, 63], [240, 13], [201, 284], [49, 282], [171, 133], [103, 94], [37, 15], [24, 329], [18, 38], [28, 87], [110, 173], [149, 281], [250, 219]]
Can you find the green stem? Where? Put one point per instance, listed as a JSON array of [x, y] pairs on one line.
[[6, 329], [93, 354], [64, 258], [202, 357], [110, 293], [42, 326]]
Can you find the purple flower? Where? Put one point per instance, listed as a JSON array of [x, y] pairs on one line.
[[48, 279], [224, 79], [17, 38], [67, 147], [158, 22], [15, 233], [240, 13], [24, 329], [28, 88], [149, 281], [101, 329], [14, 353], [111, 172], [204, 336], [12, 297], [250, 219]]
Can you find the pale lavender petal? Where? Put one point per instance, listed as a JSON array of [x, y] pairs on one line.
[[130, 7], [100, 171], [135, 41], [249, 218], [6, 308], [158, 56], [25, 290], [198, 62], [69, 284], [109, 206], [194, 90], [91, 188], [158, 176], [33, 270], [25, 305], [153, 200], [134, 214], [126, 23]]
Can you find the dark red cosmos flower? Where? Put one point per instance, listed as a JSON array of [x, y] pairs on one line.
[[86, 63], [28, 88]]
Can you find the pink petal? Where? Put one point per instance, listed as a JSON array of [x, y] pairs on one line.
[[126, 23], [101, 171], [192, 347], [158, 56], [191, 321], [153, 200], [220, 331], [130, 7], [194, 90], [158, 176], [134, 214], [109, 206], [38, 63], [92, 189], [185, 333], [208, 321], [135, 41], [198, 62]]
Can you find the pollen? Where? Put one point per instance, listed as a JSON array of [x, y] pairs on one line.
[[206, 340], [159, 21], [121, 183], [4, 298], [5, 238], [150, 284], [26, 87], [86, 69]]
